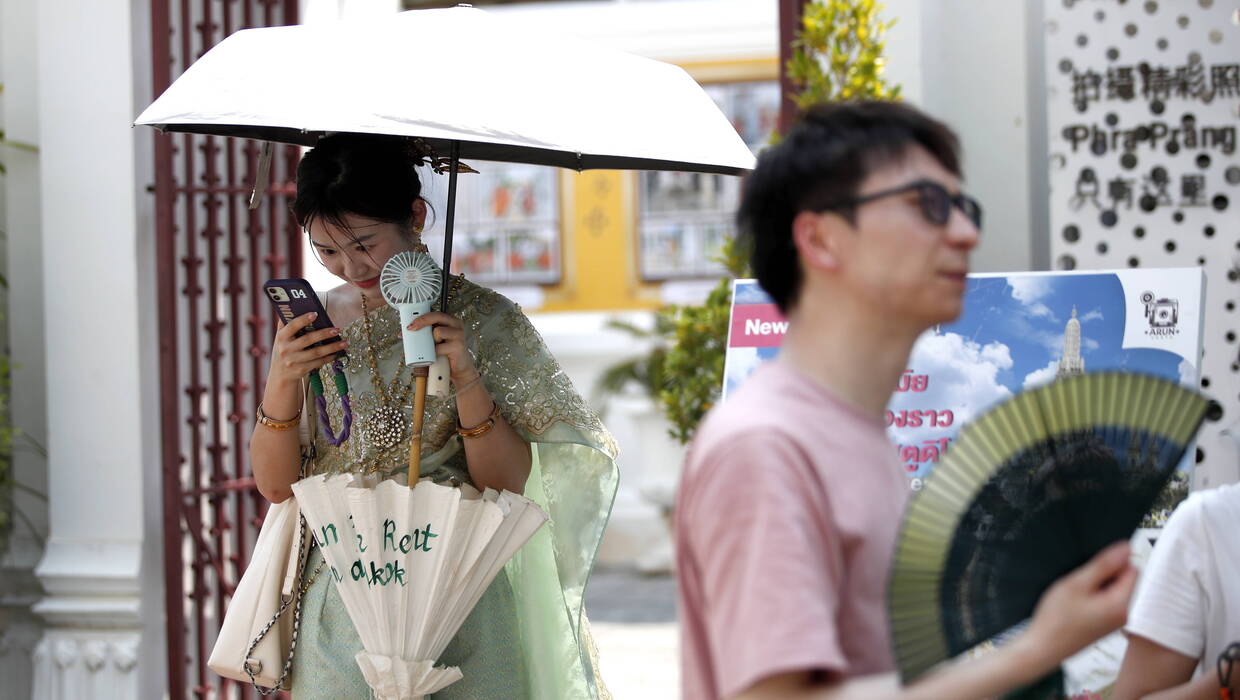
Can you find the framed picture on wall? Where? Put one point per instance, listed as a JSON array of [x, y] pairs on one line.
[[684, 218], [507, 228]]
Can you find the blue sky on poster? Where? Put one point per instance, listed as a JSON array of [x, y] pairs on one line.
[[1027, 314], [1009, 337]]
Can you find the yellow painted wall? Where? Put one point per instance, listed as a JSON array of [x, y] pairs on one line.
[[598, 225], [598, 220]]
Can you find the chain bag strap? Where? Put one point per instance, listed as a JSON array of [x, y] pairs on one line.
[[285, 602], [307, 431]]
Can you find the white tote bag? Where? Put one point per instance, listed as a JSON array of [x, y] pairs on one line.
[[254, 644]]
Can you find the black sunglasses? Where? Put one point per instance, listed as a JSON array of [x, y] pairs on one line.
[[936, 202]]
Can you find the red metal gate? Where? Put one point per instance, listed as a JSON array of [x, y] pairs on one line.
[[212, 255]]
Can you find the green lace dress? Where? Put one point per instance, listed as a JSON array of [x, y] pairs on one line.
[[528, 636]]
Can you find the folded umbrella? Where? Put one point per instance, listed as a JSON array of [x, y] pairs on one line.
[[409, 564]]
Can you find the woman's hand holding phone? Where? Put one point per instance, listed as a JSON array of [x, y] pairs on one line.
[[291, 355]]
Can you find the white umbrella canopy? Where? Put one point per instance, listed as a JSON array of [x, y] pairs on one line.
[[410, 564], [500, 90]]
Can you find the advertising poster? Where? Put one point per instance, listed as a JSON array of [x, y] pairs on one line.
[[1016, 331]]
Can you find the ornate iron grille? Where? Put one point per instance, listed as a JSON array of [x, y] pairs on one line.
[[212, 255]]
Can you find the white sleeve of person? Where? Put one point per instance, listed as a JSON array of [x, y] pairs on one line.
[[1169, 607]]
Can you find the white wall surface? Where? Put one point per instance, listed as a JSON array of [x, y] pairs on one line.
[[975, 64], [649, 461], [668, 30], [19, 219]]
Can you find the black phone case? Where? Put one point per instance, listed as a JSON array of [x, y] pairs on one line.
[[295, 297]]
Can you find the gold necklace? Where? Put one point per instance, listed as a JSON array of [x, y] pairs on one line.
[[386, 425]]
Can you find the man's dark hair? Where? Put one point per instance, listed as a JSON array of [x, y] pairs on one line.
[[823, 160]]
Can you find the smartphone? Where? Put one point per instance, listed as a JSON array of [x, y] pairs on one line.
[[295, 297]]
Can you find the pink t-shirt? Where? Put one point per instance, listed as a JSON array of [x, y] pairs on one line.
[[786, 521]]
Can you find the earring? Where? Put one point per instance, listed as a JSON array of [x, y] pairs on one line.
[[418, 245]]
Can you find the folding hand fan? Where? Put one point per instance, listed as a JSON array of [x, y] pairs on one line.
[[410, 282], [1029, 491]]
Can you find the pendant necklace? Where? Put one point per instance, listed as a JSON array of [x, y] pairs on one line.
[[385, 427]]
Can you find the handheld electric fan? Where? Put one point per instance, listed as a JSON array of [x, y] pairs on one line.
[[410, 282]]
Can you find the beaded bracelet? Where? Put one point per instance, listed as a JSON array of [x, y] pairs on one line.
[[482, 428]]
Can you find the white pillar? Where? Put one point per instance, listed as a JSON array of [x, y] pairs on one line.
[[975, 71], [102, 571]]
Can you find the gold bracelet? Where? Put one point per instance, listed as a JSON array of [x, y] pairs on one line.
[[482, 428], [274, 424]]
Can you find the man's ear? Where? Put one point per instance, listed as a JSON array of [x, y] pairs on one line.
[[814, 237]]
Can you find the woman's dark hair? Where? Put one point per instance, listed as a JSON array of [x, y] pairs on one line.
[[824, 159], [368, 175]]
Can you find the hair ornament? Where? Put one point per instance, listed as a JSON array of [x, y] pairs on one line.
[[424, 154]]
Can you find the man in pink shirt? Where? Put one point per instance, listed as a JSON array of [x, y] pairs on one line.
[[792, 496]]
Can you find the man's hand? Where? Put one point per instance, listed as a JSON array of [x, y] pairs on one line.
[[1083, 606]]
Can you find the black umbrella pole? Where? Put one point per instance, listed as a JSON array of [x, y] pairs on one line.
[[448, 223]]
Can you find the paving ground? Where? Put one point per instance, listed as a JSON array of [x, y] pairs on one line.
[[634, 622]]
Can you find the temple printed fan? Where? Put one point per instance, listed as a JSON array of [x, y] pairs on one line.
[[1029, 491]]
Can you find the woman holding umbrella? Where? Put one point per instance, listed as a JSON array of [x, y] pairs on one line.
[[512, 421]]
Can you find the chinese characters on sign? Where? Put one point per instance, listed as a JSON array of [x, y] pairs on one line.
[[1191, 81], [1143, 105], [1148, 188]]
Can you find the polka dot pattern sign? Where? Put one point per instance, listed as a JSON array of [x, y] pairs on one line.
[[1143, 109]]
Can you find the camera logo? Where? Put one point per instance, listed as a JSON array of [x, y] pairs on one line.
[[1163, 315]]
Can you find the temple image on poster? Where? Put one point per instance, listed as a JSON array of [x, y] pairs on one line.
[[1070, 362], [1017, 332]]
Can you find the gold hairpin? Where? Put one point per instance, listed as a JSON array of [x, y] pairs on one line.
[[440, 164]]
